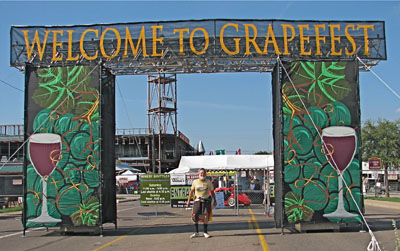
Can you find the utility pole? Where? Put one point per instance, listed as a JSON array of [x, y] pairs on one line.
[[386, 182]]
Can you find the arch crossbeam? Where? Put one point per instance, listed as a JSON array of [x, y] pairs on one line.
[[197, 46]]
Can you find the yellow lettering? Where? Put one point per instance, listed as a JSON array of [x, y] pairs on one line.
[[318, 38], [351, 40], [103, 52], [271, 35], [36, 40], [303, 38], [157, 40], [252, 40], [221, 40], [181, 31], [334, 39], [206, 38], [366, 27], [285, 36], [128, 38], [83, 52], [55, 45], [70, 58]]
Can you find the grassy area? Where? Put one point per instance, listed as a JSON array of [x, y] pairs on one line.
[[19, 208], [383, 199], [11, 209]]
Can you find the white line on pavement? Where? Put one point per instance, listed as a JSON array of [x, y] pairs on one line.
[[27, 231]]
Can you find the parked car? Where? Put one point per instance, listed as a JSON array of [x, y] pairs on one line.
[[229, 197], [3, 202]]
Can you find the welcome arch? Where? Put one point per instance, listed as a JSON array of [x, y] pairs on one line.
[[70, 78]]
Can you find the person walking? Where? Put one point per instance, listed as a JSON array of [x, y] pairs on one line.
[[201, 188], [267, 194]]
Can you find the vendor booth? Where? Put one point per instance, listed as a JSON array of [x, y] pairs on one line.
[[244, 179], [127, 179]]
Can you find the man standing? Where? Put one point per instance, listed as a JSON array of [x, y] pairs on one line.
[[201, 188]]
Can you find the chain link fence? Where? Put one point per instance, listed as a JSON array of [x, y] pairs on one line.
[[245, 188]]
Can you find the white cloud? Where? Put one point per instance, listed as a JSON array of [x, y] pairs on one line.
[[398, 110]]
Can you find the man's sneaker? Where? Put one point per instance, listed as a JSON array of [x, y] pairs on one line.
[[206, 235], [194, 235]]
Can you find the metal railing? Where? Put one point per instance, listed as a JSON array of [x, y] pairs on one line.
[[12, 130], [133, 131]]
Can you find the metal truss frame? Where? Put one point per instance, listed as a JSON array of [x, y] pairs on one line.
[[177, 60]]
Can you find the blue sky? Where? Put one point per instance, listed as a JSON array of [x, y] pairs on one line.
[[225, 111]]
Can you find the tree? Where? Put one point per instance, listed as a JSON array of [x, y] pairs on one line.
[[381, 139], [262, 153]]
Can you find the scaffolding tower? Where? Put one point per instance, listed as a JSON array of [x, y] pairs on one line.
[[162, 114]]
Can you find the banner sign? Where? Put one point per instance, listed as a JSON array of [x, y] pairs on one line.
[[221, 173], [178, 179], [190, 177], [11, 185], [180, 188], [179, 195], [168, 100], [272, 190], [218, 38], [219, 197], [374, 163], [155, 189]]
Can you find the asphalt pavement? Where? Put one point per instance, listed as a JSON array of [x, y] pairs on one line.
[[165, 228]]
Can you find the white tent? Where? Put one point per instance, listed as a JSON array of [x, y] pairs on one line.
[[180, 170], [224, 162], [127, 176], [128, 173], [124, 166]]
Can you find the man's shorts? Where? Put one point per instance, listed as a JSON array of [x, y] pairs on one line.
[[202, 207]]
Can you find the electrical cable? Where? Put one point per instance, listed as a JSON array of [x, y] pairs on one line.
[[10, 85], [130, 122], [45, 120]]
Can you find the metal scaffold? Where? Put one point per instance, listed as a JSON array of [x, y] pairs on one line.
[[162, 114]]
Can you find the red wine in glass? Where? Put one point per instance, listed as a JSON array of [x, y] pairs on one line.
[[340, 144], [43, 157], [44, 152]]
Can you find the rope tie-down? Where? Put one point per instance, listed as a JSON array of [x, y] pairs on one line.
[[373, 244]]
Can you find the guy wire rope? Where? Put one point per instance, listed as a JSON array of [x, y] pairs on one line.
[[374, 243]]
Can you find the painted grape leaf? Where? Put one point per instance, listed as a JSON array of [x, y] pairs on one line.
[[295, 208], [328, 81], [88, 213], [88, 105], [58, 87], [291, 100]]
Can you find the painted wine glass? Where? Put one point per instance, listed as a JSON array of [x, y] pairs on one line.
[[340, 147], [44, 152]]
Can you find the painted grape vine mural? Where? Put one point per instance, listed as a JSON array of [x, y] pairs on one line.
[[327, 91], [68, 98]]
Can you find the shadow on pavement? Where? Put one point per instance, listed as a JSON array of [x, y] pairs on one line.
[[187, 228]]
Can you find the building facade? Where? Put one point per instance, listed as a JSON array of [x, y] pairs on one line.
[[137, 147]]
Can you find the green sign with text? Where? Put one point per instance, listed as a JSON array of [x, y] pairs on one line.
[[155, 189]]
